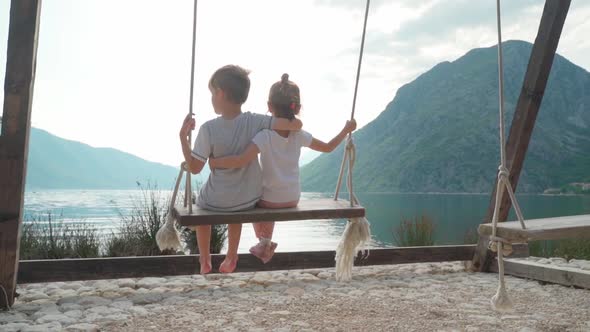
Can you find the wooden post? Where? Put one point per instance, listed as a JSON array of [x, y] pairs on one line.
[[14, 138], [527, 107]]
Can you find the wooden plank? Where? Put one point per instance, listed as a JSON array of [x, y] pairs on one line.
[[544, 272], [322, 208], [18, 97], [518, 250], [157, 266], [541, 229], [528, 104]]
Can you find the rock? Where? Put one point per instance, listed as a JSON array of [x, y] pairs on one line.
[[32, 296], [295, 291], [103, 285], [12, 317], [281, 313], [138, 311], [150, 283], [261, 278], [27, 308], [74, 285], [44, 311], [114, 318], [83, 327], [122, 305], [85, 291], [61, 318], [69, 300], [103, 311], [235, 284], [14, 327], [53, 326], [89, 301], [174, 300], [306, 277], [124, 283], [73, 313], [558, 260], [146, 298]]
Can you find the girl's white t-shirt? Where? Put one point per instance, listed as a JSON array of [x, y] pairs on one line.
[[279, 158]]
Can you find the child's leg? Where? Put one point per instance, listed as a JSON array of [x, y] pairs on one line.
[[234, 231], [265, 248], [203, 242], [263, 230]]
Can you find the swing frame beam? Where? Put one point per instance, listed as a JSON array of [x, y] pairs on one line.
[[14, 142]]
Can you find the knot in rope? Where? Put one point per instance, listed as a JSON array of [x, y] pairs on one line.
[[503, 173], [506, 245]]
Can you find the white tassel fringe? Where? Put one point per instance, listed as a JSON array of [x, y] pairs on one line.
[[356, 234], [168, 236], [501, 302]]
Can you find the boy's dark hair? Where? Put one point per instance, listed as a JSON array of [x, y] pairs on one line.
[[233, 81]]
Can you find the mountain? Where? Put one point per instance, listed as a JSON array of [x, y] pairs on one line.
[[57, 163], [440, 132], [307, 156]]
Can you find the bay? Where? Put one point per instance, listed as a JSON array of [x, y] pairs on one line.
[[454, 215]]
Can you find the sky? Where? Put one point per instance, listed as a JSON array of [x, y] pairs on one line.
[[117, 73]]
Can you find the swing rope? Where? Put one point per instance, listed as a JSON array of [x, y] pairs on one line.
[[168, 236], [357, 232], [188, 196], [500, 301]]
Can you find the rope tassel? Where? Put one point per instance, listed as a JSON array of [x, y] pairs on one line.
[[168, 236], [356, 234], [501, 301]]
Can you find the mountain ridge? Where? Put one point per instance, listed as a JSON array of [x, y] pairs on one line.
[[440, 131]]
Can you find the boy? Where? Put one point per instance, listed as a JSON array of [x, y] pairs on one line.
[[229, 134]]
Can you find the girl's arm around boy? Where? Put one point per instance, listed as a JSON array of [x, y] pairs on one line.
[[252, 150]]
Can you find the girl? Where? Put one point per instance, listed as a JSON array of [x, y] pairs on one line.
[[280, 150]]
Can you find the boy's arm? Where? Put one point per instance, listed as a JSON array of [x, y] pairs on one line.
[[286, 124], [318, 145], [193, 164], [238, 161]]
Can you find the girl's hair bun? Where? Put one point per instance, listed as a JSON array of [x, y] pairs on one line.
[[285, 78]]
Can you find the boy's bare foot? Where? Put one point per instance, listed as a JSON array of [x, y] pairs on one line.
[[205, 265], [228, 265]]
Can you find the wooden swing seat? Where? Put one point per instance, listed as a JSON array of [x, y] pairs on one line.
[[322, 208], [541, 229]]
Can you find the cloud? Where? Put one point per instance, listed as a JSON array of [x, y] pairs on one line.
[[375, 4], [445, 17]]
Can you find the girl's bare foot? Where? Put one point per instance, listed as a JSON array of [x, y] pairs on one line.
[[205, 265], [228, 265]]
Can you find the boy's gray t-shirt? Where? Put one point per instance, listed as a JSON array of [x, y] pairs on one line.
[[230, 189]]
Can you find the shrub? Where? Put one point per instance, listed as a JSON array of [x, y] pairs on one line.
[[137, 232], [568, 249], [415, 232], [44, 238]]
